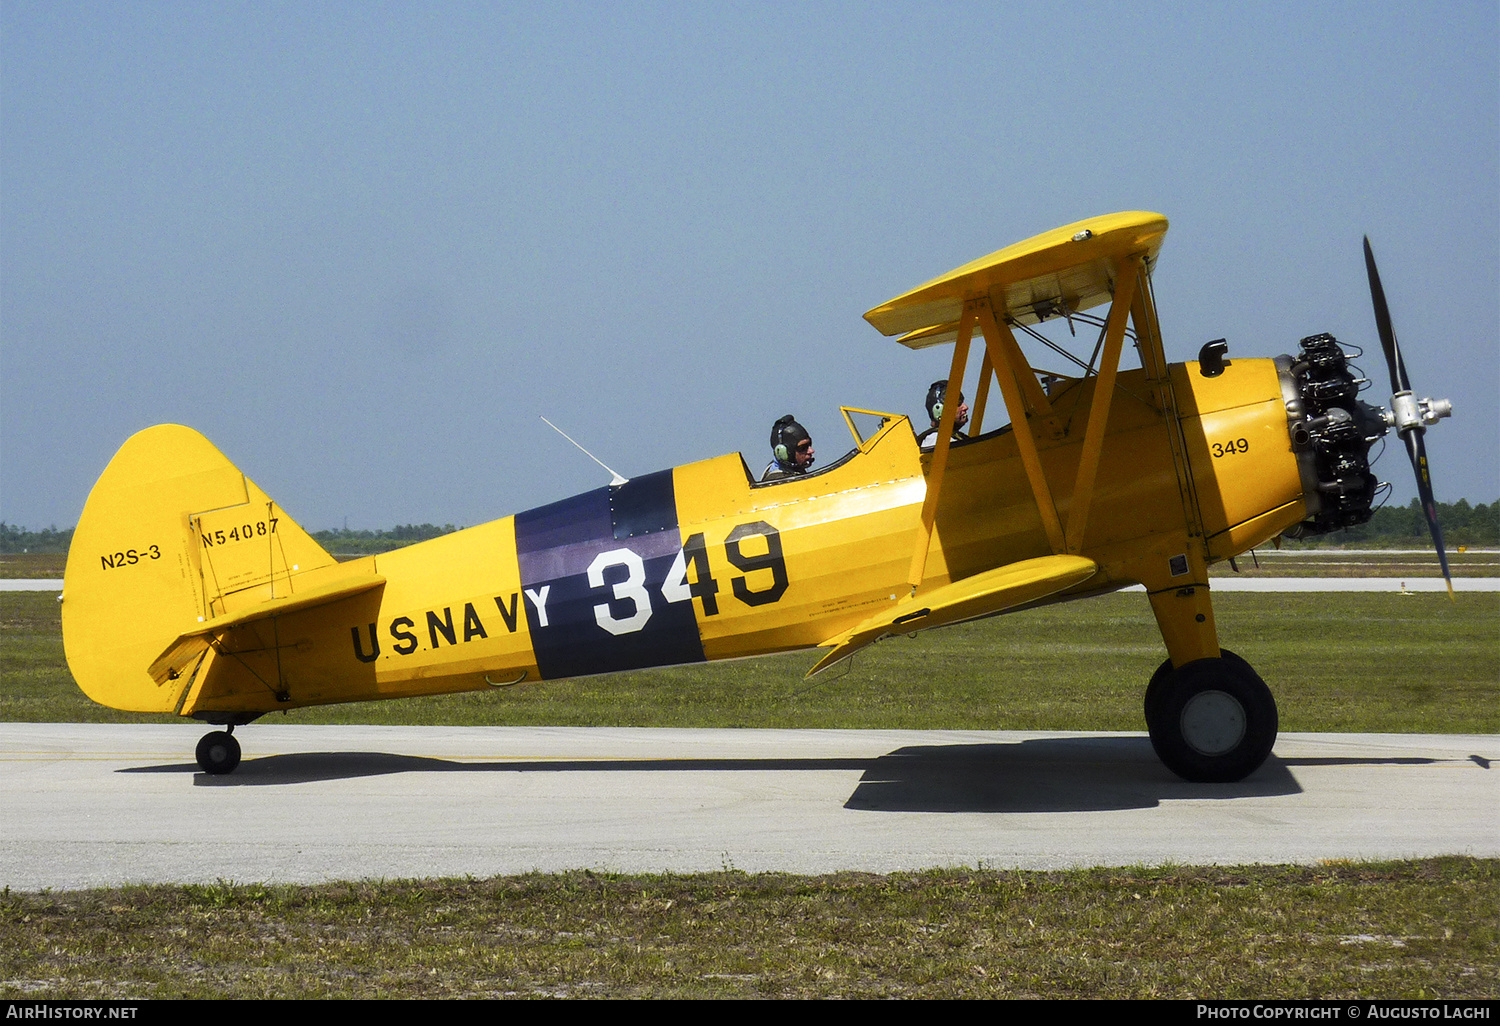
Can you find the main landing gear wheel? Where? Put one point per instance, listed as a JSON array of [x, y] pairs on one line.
[[1211, 721], [218, 752], [1158, 686]]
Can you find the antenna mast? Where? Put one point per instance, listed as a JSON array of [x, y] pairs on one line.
[[616, 479]]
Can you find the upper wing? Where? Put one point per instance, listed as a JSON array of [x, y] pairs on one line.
[[1062, 271]]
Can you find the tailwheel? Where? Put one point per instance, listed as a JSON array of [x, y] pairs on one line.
[[1211, 721], [218, 752]]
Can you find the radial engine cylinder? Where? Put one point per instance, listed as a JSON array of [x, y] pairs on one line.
[[1332, 431]]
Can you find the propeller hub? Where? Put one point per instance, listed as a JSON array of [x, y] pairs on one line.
[[1405, 413], [1408, 412]]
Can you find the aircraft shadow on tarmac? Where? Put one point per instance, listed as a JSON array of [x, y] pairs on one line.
[[1059, 775], [1078, 774], [1074, 774]]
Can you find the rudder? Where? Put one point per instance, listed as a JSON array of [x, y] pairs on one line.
[[173, 534]]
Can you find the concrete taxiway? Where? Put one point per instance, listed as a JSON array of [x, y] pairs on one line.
[[92, 804]]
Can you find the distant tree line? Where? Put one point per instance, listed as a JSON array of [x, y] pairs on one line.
[[15, 539], [18, 539], [344, 541], [1406, 527], [1390, 527]]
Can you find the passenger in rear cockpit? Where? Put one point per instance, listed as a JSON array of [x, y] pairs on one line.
[[936, 394]]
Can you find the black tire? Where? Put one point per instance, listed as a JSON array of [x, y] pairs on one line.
[[1157, 689], [1215, 720], [218, 752]]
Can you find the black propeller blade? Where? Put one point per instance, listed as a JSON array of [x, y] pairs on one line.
[[1399, 381], [1411, 432]]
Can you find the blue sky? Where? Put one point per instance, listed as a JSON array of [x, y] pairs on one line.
[[365, 247]]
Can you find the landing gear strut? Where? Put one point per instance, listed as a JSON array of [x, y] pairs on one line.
[[1212, 720], [219, 752]]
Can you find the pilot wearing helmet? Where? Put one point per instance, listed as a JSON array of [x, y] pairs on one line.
[[792, 448], [936, 394]]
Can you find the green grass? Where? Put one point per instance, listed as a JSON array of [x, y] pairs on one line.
[[1413, 929], [32, 565], [1344, 662]]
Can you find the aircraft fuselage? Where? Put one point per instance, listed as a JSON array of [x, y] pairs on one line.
[[699, 562]]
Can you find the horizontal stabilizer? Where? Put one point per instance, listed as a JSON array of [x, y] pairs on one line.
[[190, 645], [993, 591]]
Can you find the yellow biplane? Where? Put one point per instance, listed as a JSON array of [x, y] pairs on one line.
[[189, 590]]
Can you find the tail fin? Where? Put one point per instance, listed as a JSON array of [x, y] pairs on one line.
[[173, 535]]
